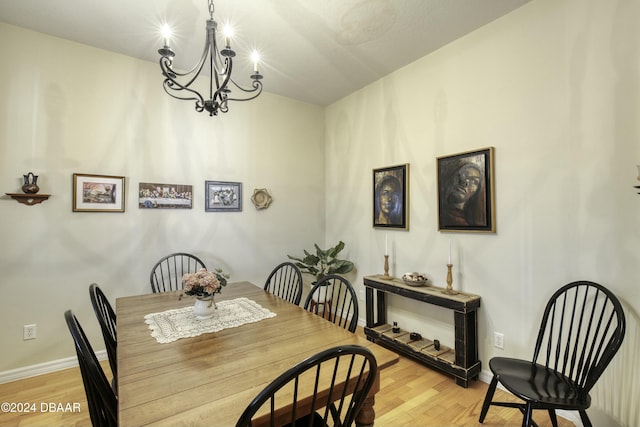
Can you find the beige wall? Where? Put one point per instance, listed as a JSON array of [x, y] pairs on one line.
[[71, 108], [554, 87]]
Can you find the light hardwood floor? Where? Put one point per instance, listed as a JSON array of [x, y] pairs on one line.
[[411, 395]]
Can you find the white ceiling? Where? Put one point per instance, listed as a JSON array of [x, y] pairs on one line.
[[316, 51]]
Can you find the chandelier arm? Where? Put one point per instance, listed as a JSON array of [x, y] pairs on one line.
[[197, 68], [228, 68], [168, 72], [169, 89], [257, 88], [168, 86], [211, 51]]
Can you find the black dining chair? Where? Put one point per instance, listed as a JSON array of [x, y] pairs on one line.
[[285, 281], [582, 328], [337, 299], [107, 320], [351, 365], [167, 274], [101, 399]]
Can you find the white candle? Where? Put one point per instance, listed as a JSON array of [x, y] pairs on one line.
[[255, 57], [386, 244], [449, 251]]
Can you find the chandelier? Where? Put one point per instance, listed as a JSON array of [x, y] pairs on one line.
[[219, 64]]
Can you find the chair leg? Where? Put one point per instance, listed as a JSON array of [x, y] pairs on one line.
[[554, 419], [526, 420], [586, 422], [488, 398]]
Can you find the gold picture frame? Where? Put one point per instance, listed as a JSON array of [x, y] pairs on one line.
[[466, 196], [98, 193]]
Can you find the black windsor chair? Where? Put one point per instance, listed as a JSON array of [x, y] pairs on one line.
[[102, 401], [107, 320], [167, 274], [285, 281], [351, 365], [582, 328], [338, 300]]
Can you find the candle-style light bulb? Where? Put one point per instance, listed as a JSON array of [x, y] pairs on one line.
[[255, 57], [228, 34], [165, 31]]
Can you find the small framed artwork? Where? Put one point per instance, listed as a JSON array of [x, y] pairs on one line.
[[98, 193], [391, 197], [164, 196], [465, 192], [222, 196]]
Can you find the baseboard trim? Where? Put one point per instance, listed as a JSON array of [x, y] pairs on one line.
[[44, 368]]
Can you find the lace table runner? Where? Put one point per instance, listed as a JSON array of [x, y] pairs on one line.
[[172, 325]]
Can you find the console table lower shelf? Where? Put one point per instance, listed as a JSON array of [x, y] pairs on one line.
[[461, 361], [424, 352]]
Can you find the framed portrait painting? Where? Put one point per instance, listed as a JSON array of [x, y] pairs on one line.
[[465, 192], [391, 197], [222, 196], [98, 193]]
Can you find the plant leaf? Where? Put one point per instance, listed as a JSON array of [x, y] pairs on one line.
[[336, 250], [342, 267]]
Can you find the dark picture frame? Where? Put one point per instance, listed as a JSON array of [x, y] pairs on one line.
[[391, 197], [466, 198], [98, 193], [164, 196], [223, 196]]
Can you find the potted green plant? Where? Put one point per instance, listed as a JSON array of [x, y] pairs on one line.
[[323, 262]]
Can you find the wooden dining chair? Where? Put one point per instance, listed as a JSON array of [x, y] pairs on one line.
[[107, 320], [286, 399], [167, 274], [285, 281], [101, 399], [337, 299], [582, 328]]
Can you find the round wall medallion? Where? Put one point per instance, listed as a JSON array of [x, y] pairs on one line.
[[261, 198]]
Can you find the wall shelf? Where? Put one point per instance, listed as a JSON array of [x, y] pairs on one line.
[[28, 199]]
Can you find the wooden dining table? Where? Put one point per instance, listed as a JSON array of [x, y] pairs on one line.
[[210, 379]]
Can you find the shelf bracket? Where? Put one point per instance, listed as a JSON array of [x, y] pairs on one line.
[[28, 199]]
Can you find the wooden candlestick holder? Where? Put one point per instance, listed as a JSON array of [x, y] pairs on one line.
[[386, 268], [449, 289]]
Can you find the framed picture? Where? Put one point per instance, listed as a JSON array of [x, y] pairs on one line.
[[164, 196], [98, 193], [465, 192], [391, 197], [221, 196]]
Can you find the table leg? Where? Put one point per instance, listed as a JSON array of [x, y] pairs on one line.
[[367, 414]]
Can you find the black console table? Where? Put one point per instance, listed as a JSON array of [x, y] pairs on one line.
[[461, 362]]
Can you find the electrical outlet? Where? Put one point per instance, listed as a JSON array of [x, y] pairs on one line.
[[362, 294], [498, 340], [28, 332]]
